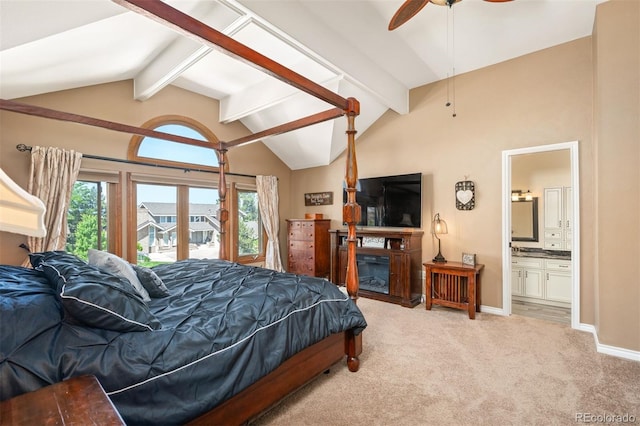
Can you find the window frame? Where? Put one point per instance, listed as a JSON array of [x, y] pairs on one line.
[[182, 208], [113, 186], [234, 214], [154, 123]]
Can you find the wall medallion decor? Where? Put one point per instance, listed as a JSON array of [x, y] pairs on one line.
[[465, 195]]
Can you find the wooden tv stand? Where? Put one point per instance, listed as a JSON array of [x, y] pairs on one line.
[[403, 247]]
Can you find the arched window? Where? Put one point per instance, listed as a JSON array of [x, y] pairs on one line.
[[159, 151], [175, 219], [160, 201]]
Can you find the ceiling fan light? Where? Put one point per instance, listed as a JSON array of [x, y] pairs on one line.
[[444, 2]]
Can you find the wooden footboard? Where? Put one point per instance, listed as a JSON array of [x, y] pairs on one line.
[[290, 376]]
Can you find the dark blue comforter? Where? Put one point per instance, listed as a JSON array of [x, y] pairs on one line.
[[223, 326]]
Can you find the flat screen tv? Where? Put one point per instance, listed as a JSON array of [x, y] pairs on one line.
[[390, 201]]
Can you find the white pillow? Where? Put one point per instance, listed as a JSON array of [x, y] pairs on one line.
[[117, 266]]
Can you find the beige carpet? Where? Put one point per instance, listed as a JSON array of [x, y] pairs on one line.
[[438, 367]]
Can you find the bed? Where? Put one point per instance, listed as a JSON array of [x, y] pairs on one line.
[[218, 328], [298, 359]]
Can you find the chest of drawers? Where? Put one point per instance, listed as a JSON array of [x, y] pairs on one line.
[[308, 243]]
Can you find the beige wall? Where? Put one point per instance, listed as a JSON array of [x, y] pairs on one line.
[[617, 142], [114, 102], [546, 97], [542, 98]]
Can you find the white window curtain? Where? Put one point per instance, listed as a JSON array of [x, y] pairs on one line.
[[53, 173], [268, 203]]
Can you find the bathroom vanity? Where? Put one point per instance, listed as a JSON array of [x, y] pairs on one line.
[[541, 276]]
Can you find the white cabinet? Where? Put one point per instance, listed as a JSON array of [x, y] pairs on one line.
[[568, 215], [533, 283], [552, 209], [517, 286], [558, 280], [546, 281], [558, 208], [527, 277]]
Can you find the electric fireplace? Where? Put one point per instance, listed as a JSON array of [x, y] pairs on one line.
[[373, 272]]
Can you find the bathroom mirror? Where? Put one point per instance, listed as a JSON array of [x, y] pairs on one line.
[[524, 220]]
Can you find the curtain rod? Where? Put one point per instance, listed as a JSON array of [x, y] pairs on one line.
[[23, 148]]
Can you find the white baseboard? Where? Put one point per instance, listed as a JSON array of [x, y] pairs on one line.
[[492, 310], [608, 349], [600, 347]]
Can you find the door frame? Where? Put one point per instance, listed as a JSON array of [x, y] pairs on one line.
[[575, 218]]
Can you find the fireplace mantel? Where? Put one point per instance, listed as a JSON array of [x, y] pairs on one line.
[[403, 247]]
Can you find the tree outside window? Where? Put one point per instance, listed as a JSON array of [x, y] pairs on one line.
[[87, 218], [249, 224]]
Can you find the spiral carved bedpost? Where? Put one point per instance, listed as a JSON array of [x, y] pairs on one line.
[[223, 212], [351, 214]]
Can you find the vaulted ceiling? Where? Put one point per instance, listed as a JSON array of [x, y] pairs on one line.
[[344, 45]]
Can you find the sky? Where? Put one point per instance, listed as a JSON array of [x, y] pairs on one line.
[[174, 151]]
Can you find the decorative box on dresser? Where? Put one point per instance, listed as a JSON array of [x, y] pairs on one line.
[[308, 243], [389, 263]]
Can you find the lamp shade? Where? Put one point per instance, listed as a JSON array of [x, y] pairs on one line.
[[439, 226], [20, 212]]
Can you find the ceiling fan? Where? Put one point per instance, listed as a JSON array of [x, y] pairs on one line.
[[410, 7]]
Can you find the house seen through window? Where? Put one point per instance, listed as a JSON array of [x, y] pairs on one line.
[[157, 223]]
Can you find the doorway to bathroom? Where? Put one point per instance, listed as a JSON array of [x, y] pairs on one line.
[[541, 237]]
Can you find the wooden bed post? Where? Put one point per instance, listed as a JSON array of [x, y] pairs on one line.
[[351, 214], [223, 212]]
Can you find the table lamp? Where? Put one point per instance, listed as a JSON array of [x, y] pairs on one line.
[[439, 226]]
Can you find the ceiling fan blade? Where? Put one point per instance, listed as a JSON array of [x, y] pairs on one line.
[[408, 9]]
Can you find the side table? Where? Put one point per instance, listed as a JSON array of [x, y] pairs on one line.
[[453, 284], [77, 401]]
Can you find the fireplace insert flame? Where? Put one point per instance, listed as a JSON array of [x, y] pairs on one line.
[[373, 273]]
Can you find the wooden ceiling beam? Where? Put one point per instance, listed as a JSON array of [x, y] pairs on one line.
[[39, 111], [287, 127], [191, 27]]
